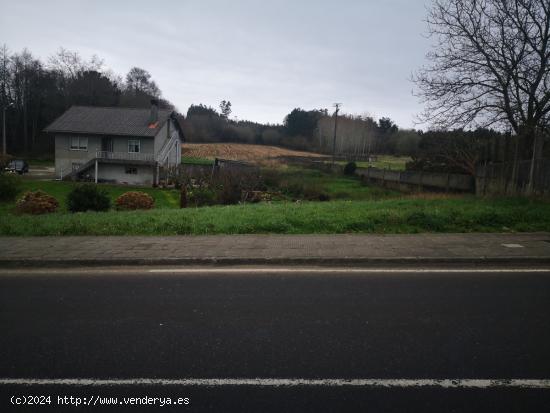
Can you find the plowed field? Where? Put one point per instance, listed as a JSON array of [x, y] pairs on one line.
[[240, 152]]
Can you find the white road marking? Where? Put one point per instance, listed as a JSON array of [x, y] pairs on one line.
[[345, 270], [293, 382]]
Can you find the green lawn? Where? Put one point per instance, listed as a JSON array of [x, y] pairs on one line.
[[164, 198], [405, 215], [191, 160], [338, 187], [33, 162], [353, 208], [396, 163]]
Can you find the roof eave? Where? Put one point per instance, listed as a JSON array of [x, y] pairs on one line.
[[137, 135]]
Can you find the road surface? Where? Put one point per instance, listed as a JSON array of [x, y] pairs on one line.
[[284, 339]]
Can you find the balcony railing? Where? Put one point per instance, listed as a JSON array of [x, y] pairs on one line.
[[126, 156]]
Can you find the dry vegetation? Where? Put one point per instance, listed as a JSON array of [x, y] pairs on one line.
[[241, 152]]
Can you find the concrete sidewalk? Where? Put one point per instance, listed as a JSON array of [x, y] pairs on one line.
[[520, 248]]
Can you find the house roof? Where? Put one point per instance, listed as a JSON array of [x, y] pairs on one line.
[[108, 121]]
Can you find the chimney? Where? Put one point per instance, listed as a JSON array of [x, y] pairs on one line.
[[154, 116]]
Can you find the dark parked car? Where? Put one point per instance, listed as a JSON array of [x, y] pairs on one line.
[[18, 166]]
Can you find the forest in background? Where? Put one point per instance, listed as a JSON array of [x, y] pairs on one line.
[[36, 92]]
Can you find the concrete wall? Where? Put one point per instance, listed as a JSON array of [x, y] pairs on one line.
[[114, 172], [411, 180]]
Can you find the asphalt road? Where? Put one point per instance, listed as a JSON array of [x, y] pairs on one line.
[[255, 324]]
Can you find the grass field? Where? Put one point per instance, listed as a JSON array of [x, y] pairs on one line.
[[191, 160], [338, 187], [239, 152], [164, 198], [40, 162], [353, 208], [396, 163], [406, 215]]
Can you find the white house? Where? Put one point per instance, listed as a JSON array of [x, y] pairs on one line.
[[114, 144]]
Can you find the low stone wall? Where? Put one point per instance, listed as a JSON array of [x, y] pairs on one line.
[[416, 180]]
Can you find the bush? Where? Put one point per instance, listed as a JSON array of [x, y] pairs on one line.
[[293, 189], [10, 185], [350, 168], [88, 197], [229, 193], [5, 161], [202, 197], [231, 184], [133, 200], [37, 202]]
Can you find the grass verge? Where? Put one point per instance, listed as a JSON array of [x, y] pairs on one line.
[[391, 216]]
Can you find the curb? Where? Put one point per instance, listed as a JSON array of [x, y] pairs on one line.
[[234, 261]]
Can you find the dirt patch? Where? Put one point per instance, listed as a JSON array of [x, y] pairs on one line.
[[242, 152]]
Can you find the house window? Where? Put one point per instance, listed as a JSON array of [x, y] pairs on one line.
[[130, 170], [78, 143], [75, 166], [133, 146]]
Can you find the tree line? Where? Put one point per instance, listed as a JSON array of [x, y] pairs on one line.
[[309, 130], [34, 93]]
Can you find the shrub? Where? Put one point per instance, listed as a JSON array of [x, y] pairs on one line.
[[134, 200], [229, 193], [315, 192], [88, 197], [4, 162], [293, 189], [202, 197], [350, 168], [271, 178], [37, 202], [10, 185]]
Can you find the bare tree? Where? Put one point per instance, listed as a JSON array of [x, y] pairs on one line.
[[490, 65], [225, 108], [69, 64]]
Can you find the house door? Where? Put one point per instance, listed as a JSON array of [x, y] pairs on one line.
[[107, 144]]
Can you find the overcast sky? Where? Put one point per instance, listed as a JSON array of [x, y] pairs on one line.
[[266, 57]]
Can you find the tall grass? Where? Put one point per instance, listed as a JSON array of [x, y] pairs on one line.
[[382, 217]]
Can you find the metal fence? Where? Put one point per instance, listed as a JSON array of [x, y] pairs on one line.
[[512, 178]]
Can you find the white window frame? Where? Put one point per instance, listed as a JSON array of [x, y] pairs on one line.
[[81, 143], [131, 170], [132, 142]]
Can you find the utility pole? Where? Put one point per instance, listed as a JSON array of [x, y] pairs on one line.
[[337, 106]]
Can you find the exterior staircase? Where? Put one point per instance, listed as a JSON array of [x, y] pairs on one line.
[[73, 175]]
